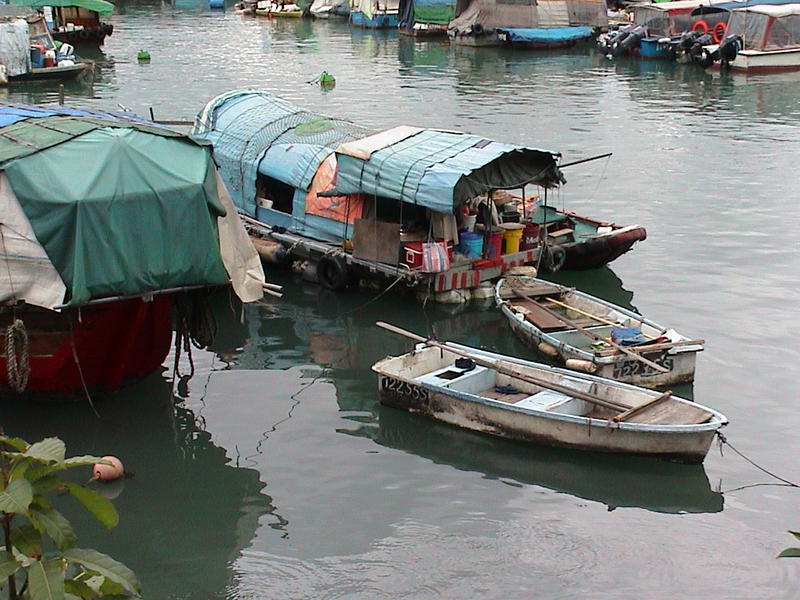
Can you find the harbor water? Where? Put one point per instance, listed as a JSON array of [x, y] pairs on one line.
[[273, 472]]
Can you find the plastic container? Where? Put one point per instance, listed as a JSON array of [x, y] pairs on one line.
[[37, 57], [512, 235], [495, 247], [469, 222], [412, 253], [530, 236], [471, 244]]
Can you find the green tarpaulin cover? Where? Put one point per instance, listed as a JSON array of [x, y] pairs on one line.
[[83, 194], [439, 15], [99, 6]]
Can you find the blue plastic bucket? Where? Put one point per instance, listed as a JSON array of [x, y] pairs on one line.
[[471, 244]]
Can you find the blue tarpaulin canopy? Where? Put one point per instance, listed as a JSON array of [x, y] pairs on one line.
[[256, 132], [547, 35]]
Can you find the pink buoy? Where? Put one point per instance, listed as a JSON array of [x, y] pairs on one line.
[[110, 472]]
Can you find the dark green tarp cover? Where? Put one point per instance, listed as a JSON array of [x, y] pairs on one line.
[[99, 6], [119, 210]]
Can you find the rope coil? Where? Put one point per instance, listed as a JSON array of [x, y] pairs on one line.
[[18, 366]]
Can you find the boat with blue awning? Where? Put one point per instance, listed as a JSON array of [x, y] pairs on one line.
[[346, 204]]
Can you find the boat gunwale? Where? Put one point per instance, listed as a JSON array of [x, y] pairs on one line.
[[716, 421]]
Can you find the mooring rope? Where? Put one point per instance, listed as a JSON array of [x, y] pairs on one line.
[[18, 366], [724, 441]]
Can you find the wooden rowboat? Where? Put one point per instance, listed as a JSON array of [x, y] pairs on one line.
[[538, 403], [588, 334]]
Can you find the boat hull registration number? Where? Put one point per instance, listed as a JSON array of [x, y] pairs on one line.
[[389, 385], [636, 368]]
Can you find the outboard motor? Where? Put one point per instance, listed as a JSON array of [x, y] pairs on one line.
[[728, 49], [697, 47], [631, 40]]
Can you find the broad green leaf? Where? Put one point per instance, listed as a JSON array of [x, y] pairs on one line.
[[78, 589], [17, 497], [790, 553], [18, 469], [55, 525], [39, 471], [45, 581], [795, 534], [17, 444], [111, 588], [68, 596], [49, 450], [79, 461], [100, 507], [46, 484], [27, 541], [8, 566], [106, 566]]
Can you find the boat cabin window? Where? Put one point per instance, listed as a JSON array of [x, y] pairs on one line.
[[784, 33], [750, 26], [281, 194]]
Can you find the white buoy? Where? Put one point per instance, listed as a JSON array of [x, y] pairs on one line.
[[108, 472]]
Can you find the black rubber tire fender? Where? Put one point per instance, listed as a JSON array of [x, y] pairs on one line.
[[553, 258], [333, 272]]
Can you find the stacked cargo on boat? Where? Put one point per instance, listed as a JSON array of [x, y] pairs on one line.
[[108, 220]]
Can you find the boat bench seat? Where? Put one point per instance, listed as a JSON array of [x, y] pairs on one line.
[[552, 400], [451, 377]]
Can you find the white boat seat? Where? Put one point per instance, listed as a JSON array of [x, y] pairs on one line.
[[544, 400]]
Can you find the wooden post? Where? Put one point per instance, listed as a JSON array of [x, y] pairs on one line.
[[61, 94]]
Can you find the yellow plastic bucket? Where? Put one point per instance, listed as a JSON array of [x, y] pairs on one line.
[[512, 234]]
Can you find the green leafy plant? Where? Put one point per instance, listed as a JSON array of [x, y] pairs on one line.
[[39, 559], [791, 552]]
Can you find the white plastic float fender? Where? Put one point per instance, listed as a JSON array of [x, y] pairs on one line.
[[584, 366], [483, 292], [108, 472]]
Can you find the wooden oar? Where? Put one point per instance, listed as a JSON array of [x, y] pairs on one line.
[[594, 336], [492, 364]]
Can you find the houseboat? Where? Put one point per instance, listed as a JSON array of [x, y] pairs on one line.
[[537, 24], [425, 18], [28, 52], [76, 22], [98, 255], [344, 204], [374, 14]]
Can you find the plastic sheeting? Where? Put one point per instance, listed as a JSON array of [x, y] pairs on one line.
[[345, 209], [123, 212], [27, 273], [551, 35], [478, 15], [14, 47]]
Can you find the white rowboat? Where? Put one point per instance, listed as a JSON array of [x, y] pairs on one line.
[[532, 402]]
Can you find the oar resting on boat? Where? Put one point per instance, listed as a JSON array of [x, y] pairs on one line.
[[517, 399]]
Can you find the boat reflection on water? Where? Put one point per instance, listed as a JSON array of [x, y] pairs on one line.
[[186, 511], [615, 481]]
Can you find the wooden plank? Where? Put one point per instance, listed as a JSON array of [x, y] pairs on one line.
[[672, 413], [510, 398], [539, 317], [376, 241], [530, 290], [631, 412]]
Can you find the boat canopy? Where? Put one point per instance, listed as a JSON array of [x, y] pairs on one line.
[[99, 6], [772, 10], [438, 12], [475, 16], [106, 204], [547, 35], [256, 132], [370, 8], [439, 170]]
